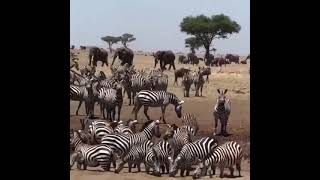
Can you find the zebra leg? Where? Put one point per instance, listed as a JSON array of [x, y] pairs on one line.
[[207, 79], [167, 167], [136, 109], [146, 112], [79, 105], [215, 122], [213, 169], [238, 166], [231, 171], [163, 110], [201, 89], [74, 156], [114, 114], [120, 167], [139, 167], [221, 171], [119, 111], [182, 172], [129, 166]]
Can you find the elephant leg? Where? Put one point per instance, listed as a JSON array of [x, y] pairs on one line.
[[174, 67]]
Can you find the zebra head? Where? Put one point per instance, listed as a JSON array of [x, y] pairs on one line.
[[132, 125], [200, 171], [151, 128], [178, 108], [222, 97], [170, 131], [173, 165]]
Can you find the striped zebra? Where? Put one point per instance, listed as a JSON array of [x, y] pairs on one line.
[[161, 82], [109, 99], [122, 143], [98, 130], [162, 151], [206, 71], [161, 99], [189, 119], [222, 111], [83, 93], [187, 81], [94, 155], [87, 70], [180, 136], [140, 82], [192, 153], [226, 155], [135, 156], [198, 81], [130, 128]]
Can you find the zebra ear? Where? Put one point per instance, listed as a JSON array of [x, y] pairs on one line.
[[225, 91], [218, 91], [157, 121], [135, 121]]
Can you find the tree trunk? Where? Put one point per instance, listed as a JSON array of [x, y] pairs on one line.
[[110, 47], [193, 51], [207, 54]]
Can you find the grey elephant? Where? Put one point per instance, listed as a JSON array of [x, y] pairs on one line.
[[165, 57], [98, 54], [125, 55]]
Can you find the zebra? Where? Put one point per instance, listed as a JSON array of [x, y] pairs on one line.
[[226, 155], [83, 93], [140, 82], [187, 81], [161, 82], [162, 151], [87, 70], [198, 81], [180, 136], [94, 155], [206, 71], [192, 153], [74, 63], [130, 128], [222, 111], [179, 73], [109, 99], [122, 143], [190, 120], [136, 156], [161, 99]]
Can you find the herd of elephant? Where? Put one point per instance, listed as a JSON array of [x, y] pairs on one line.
[[165, 57]]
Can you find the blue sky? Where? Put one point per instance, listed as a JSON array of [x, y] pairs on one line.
[[155, 23]]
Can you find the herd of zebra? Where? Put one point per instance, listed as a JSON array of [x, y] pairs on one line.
[[101, 143]]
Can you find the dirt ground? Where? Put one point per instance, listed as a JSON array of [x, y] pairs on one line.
[[234, 77]]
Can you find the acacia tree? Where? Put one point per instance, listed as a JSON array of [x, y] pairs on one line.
[[111, 40], [126, 38], [206, 29], [193, 43]]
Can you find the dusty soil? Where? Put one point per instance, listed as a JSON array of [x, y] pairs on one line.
[[233, 77]]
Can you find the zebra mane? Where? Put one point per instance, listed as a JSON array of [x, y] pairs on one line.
[[146, 124]]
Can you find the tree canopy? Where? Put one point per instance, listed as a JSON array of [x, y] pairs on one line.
[[193, 43], [126, 38], [206, 29], [111, 40]]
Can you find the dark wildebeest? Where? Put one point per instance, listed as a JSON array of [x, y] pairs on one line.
[[82, 47], [165, 57], [125, 55], [193, 59], [208, 59], [181, 58], [219, 61], [179, 73], [98, 54], [72, 47], [206, 71], [233, 58]]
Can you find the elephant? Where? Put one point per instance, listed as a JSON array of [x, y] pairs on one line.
[[165, 57], [125, 55], [98, 54], [233, 58], [193, 59]]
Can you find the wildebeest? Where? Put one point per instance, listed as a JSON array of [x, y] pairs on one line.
[[72, 47], [233, 58], [181, 58], [179, 73], [98, 54], [193, 59], [208, 59], [82, 47], [125, 55], [165, 57], [219, 61]]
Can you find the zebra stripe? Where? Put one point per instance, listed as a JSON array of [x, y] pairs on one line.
[[126, 129], [192, 153], [109, 99], [98, 130], [82, 93], [198, 81], [190, 120], [136, 156], [226, 155], [140, 82], [161, 99], [94, 155], [162, 152], [187, 81], [161, 82], [121, 143]]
